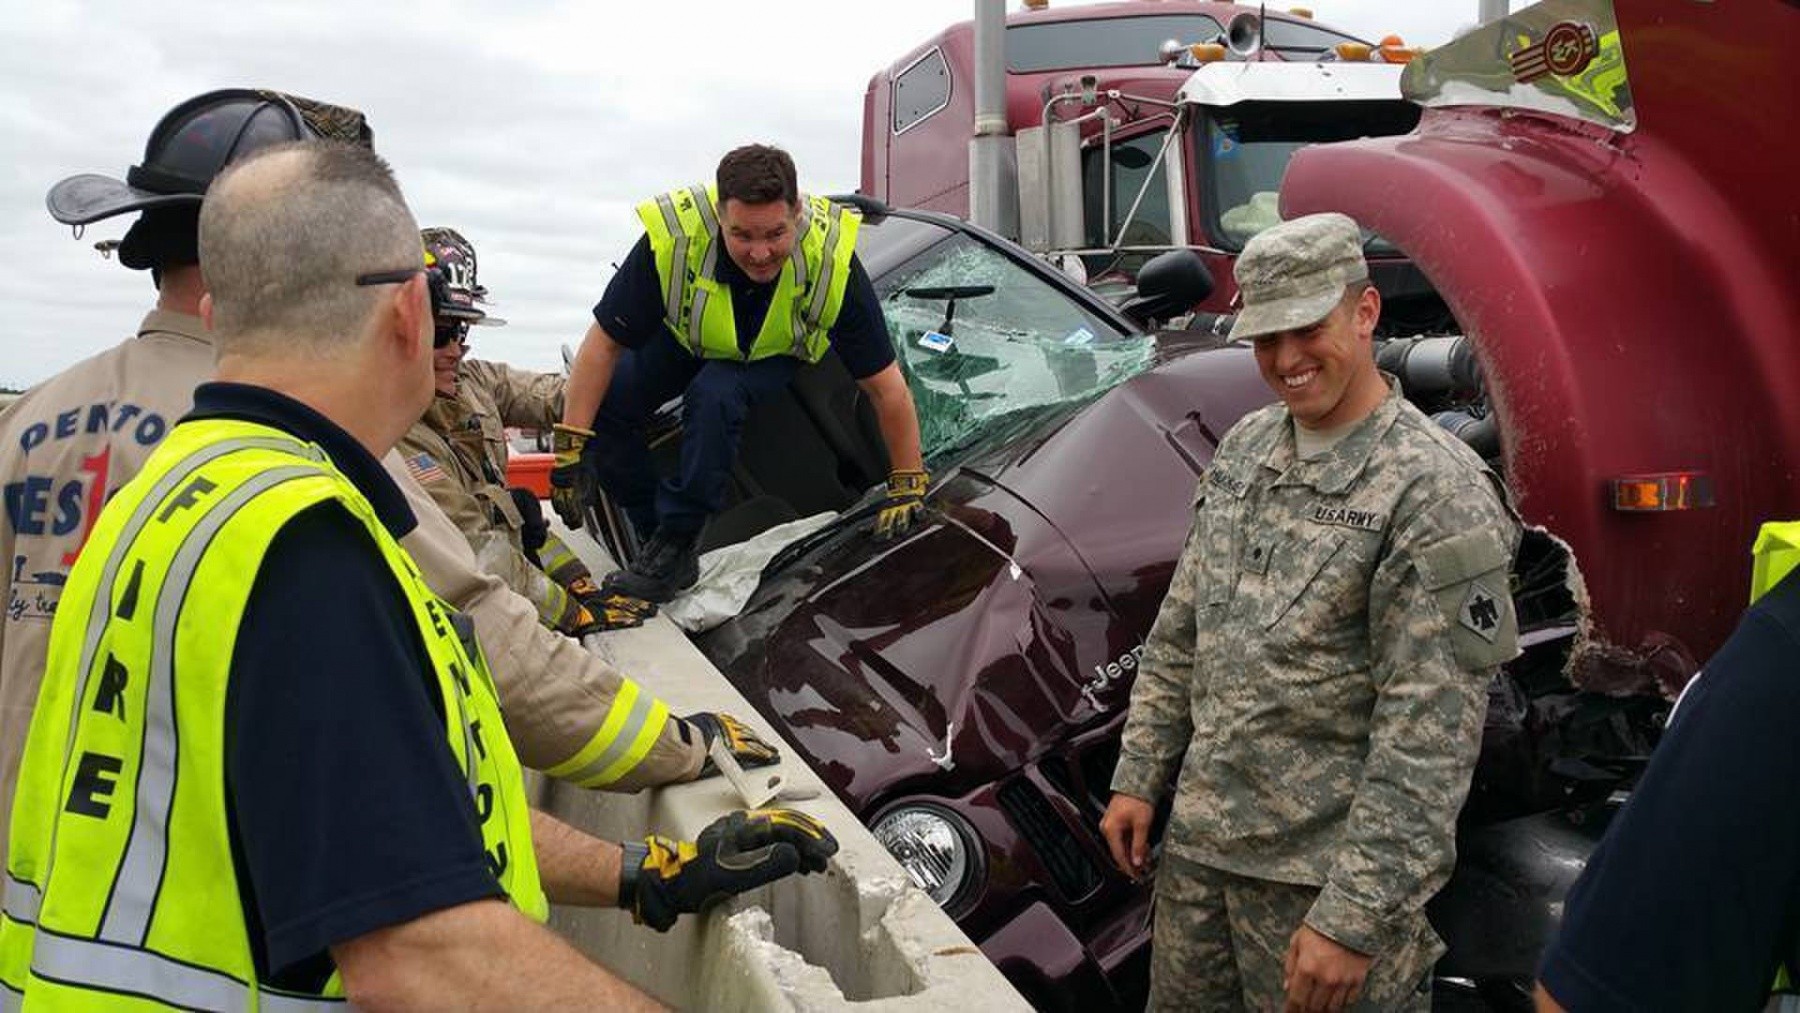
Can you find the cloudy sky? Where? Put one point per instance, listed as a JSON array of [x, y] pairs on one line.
[[533, 126]]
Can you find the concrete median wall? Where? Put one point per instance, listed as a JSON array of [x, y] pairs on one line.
[[859, 935]]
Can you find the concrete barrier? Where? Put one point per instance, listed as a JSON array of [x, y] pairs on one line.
[[858, 936]]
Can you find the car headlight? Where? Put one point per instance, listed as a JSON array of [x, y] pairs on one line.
[[932, 845]]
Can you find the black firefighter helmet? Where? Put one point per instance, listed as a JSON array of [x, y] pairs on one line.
[[189, 146], [453, 258]]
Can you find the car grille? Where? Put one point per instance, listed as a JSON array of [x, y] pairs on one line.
[[1036, 821]]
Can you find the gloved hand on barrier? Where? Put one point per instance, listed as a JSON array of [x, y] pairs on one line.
[[588, 621], [572, 484], [905, 504], [746, 746], [661, 879], [598, 600]]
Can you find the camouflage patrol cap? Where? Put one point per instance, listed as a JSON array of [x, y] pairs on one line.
[[1291, 275], [453, 257]]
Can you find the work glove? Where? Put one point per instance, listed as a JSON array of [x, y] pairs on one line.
[[599, 600], [572, 485], [746, 746], [905, 504], [588, 621], [661, 879]]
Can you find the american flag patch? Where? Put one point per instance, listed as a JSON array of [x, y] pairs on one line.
[[425, 468]]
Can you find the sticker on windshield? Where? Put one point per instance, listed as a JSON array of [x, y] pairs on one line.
[[1082, 336], [1225, 141], [932, 341]]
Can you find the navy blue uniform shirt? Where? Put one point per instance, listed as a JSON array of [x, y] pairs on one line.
[[348, 812], [1693, 897], [632, 310]]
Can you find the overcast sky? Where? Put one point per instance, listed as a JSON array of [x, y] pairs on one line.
[[533, 126]]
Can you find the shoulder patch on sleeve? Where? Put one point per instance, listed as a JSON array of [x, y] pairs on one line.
[[1481, 611], [1467, 573], [425, 469]]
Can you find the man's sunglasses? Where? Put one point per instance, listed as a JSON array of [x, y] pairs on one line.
[[435, 283], [439, 288], [450, 331]]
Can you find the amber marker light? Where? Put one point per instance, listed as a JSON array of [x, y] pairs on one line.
[[1663, 492], [1207, 52]]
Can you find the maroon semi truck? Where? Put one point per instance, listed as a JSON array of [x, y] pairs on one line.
[[1616, 233], [1123, 130]]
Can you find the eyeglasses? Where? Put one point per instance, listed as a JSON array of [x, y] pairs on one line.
[[448, 331], [435, 283]]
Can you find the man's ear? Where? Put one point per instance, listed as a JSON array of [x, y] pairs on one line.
[[410, 312], [1368, 311], [206, 310]]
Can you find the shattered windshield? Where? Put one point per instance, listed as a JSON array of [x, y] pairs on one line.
[[984, 341], [1246, 149]]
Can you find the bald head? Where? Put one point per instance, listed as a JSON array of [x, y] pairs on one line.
[[283, 235]]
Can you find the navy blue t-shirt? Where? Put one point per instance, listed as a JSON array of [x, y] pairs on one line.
[[632, 310], [348, 812], [1693, 897]]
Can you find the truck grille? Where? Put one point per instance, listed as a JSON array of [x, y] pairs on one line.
[[1050, 837]]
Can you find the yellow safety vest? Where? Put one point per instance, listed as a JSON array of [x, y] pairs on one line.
[[1774, 555], [683, 227], [120, 880]]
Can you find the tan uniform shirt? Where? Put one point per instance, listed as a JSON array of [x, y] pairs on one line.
[[66, 446], [1318, 671], [457, 452], [73, 440]]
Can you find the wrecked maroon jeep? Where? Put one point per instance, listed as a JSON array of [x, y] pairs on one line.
[[963, 689]]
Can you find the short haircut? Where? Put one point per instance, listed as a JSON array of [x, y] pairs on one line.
[[284, 233], [757, 174]]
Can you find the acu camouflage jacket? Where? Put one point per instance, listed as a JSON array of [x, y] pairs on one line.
[[1318, 671]]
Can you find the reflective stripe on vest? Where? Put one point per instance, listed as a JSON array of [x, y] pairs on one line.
[[684, 234], [135, 877]]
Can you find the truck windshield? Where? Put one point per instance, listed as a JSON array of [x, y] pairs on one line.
[[1101, 42], [982, 340], [1243, 151]]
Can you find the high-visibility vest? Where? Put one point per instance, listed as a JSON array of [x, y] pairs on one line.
[[1774, 555], [683, 228], [119, 879]]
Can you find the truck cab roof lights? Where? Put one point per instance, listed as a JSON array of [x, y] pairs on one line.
[[1662, 492], [1391, 50], [1301, 12], [1206, 52]]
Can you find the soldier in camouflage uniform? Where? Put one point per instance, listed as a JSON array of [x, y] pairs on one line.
[[458, 454], [1317, 674]]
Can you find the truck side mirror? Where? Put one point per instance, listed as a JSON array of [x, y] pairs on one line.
[[1168, 285]]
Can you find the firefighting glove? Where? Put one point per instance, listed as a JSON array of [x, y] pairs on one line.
[[661, 879], [598, 600], [905, 504], [746, 746], [572, 485], [588, 621]]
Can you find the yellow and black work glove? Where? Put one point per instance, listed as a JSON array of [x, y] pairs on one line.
[[588, 621], [612, 603], [905, 504], [572, 483], [746, 746], [661, 879]]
